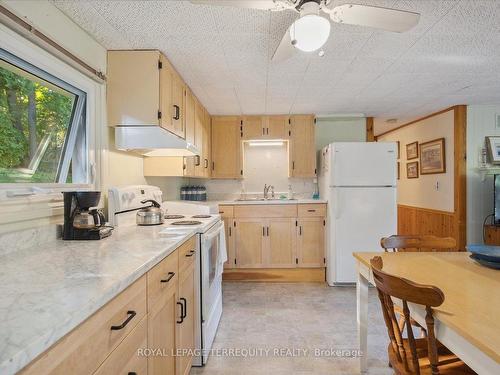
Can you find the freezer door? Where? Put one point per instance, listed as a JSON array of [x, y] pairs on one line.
[[360, 218], [363, 164]]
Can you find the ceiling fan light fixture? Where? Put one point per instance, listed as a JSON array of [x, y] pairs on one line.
[[310, 32]]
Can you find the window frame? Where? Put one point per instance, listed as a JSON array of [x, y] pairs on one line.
[[78, 112], [22, 48]]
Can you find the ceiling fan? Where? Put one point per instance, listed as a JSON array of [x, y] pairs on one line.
[[311, 30]]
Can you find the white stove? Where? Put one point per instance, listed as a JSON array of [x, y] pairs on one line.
[[211, 252]]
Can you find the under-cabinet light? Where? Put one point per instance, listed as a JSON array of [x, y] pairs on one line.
[[265, 143]]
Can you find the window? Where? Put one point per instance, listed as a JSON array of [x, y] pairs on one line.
[[42, 126]]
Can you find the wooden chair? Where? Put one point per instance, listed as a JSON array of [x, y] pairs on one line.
[[418, 243], [409, 355]]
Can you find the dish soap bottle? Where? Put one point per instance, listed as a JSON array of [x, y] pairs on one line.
[[290, 192], [316, 189]]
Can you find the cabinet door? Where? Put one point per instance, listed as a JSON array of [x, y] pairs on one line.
[[161, 333], [177, 106], [230, 242], [253, 127], [166, 76], [280, 243], [133, 87], [189, 124], [311, 242], [185, 326], [206, 144], [302, 151], [198, 125], [250, 234], [276, 127], [226, 146]]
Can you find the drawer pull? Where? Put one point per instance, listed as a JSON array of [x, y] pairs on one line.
[[311, 210], [191, 253], [132, 373], [182, 312], [170, 275], [131, 315], [184, 301]]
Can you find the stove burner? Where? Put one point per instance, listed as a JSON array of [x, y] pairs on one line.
[[201, 216], [174, 217], [186, 222]]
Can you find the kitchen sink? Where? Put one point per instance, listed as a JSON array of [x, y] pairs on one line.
[[263, 200]]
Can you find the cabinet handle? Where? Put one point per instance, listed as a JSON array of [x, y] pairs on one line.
[[300, 230], [191, 253], [311, 210], [293, 165], [263, 231], [230, 232], [131, 315], [184, 301], [170, 275], [182, 313], [132, 373], [206, 163], [267, 131], [177, 115], [267, 230], [263, 131], [198, 160]]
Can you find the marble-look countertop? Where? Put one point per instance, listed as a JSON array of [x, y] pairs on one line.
[[214, 203], [47, 290]]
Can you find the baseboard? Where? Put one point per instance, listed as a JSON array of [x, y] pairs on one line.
[[293, 275]]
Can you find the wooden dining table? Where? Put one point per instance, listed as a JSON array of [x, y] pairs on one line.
[[468, 322]]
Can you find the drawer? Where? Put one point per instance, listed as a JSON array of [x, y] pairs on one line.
[[187, 253], [87, 346], [126, 358], [226, 211], [312, 210], [163, 277], [267, 210]]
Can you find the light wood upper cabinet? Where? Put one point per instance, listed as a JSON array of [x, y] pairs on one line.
[[276, 127], [189, 108], [206, 144], [253, 127], [226, 146], [311, 242], [177, 106], [133, 88], [302, 148]]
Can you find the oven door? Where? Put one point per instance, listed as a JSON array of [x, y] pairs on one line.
[[213, 255]]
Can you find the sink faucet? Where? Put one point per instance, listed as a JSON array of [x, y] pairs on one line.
[[266, 191]]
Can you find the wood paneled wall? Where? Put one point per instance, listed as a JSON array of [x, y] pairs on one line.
[[416, 220]]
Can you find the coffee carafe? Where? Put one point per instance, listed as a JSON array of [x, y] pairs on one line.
[[82, 221]]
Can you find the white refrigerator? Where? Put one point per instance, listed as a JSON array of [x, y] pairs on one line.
[[359, 181]]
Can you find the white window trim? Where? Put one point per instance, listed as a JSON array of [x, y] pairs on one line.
[[28, 193]]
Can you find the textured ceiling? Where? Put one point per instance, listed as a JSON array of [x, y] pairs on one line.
[[451, 57]]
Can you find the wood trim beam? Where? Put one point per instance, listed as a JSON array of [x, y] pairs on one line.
[[460, 174], [313, 275], [370, 136], [417, 120]]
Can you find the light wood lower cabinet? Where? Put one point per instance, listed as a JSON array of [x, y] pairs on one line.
[[155, 314], [276, 236], [311, 242]]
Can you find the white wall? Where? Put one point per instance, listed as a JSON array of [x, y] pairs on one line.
[[423, 191], [481, 122], [339, 129]]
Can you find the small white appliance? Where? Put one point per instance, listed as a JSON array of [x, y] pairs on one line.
[[210, 255], [359, 181]]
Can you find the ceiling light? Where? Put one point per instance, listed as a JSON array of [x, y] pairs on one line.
[[265, 143], [311, 31]]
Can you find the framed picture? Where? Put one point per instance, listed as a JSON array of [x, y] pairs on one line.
[[493, 146], [412, 169], [432, 157], [412, 150], [399, 171]]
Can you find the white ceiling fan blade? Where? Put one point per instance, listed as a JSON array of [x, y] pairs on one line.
[[252, 4], [380, 18], [285, 49]]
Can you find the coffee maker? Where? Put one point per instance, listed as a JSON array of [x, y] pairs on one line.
[[81, 220]]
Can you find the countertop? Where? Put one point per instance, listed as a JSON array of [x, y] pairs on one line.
[[47, 291], [256, 202]]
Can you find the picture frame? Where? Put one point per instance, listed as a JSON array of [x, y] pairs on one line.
[[412, 150], [432, 157], [412, 170], [493, 147]]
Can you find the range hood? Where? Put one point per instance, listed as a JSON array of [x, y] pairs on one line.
[[152, 141]]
